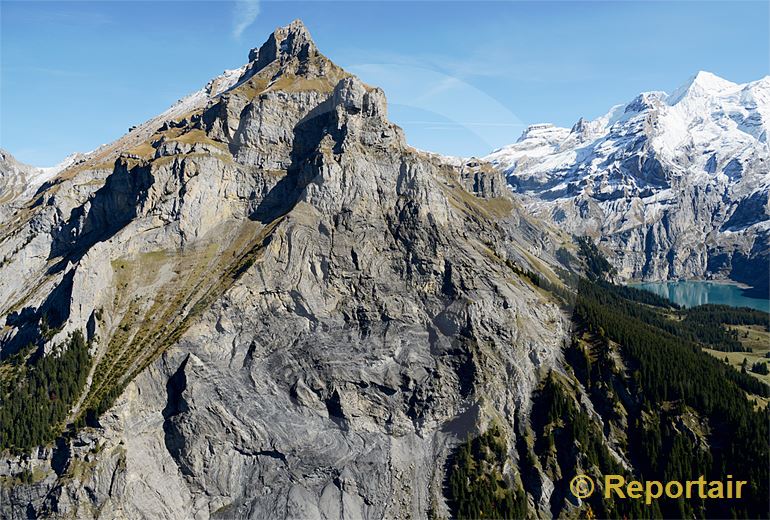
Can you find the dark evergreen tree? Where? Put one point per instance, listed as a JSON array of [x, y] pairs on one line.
[[36, 399]]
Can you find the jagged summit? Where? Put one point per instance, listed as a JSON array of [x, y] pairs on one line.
[[269, 257], [290, 41], [579, 126], [287, 62]]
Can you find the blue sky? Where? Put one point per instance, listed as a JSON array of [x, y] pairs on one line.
[[462, 78]]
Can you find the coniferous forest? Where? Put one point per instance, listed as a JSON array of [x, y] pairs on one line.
[[38, 391], [670, 410], [476, 480]]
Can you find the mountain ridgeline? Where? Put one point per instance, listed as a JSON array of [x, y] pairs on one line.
[[263, 303], [672, 186]]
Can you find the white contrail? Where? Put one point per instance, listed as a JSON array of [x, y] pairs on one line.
[[244, 14]]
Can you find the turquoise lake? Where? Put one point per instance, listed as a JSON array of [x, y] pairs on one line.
[[692, 293]]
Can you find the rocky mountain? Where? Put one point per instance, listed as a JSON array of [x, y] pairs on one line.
[[19, 181], [289, 312], [265, 304], [674, 186]]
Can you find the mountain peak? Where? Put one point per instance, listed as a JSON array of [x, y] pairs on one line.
[[538, 130], [702, 82], [287, 42]]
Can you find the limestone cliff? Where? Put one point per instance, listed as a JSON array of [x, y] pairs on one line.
[[291, 312]]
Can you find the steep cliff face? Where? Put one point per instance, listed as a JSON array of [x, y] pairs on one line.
[[675, 186], [291, 312]]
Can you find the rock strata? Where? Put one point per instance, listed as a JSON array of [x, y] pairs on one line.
[[292, 313]]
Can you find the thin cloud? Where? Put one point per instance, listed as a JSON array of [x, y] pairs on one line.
[[492, 61], [244, 14], [463, 123]]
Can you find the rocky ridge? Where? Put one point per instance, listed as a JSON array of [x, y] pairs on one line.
[[291, 312]]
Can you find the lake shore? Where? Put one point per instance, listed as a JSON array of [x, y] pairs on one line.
[[716, 281], [690, 293]]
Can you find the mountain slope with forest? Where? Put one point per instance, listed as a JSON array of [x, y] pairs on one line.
[[265, 304], [275, 260]]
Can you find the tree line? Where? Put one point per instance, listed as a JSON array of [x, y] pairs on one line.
[[39, 391]]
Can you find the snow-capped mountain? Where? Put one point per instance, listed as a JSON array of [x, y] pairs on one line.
[[676, 185], [19, 181]]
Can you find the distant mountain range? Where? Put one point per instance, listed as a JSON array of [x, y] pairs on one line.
[[673, 186]]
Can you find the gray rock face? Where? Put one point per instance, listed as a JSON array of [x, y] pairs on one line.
[[675, 186], [299, 313], [13, 179]]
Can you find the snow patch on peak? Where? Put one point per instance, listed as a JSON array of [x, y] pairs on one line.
[[536, 142], [65, 163], [762, 83], [702, 83], [225, 81], [710, 81], [540, 130], [649, 143], [644, 101]]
